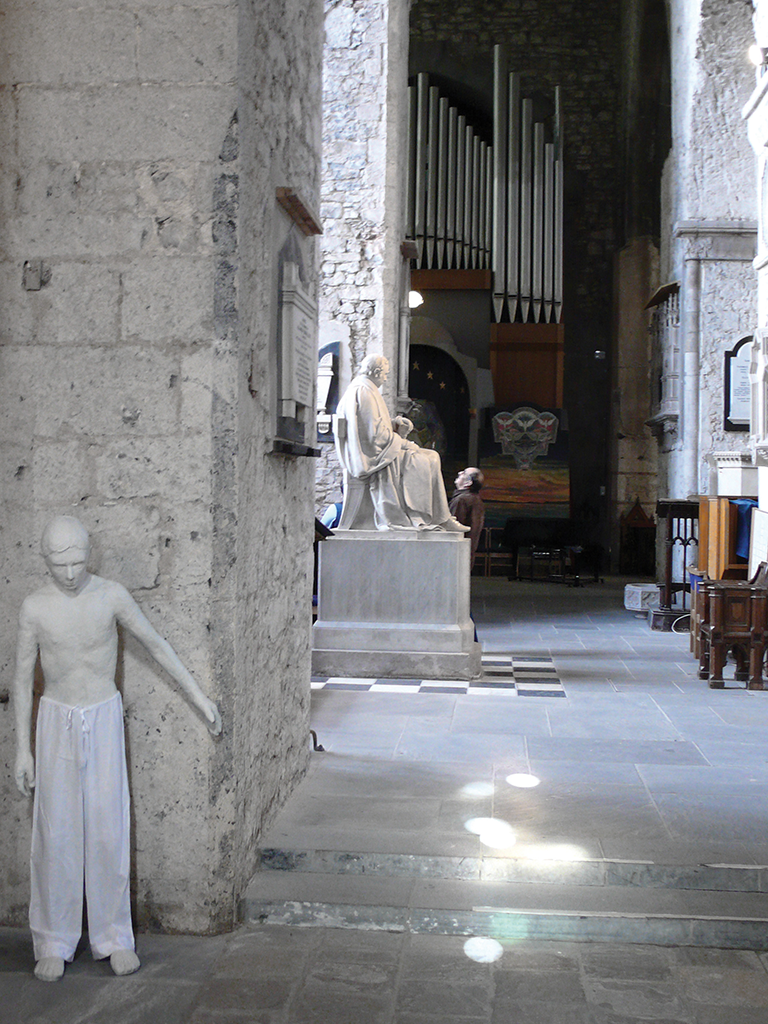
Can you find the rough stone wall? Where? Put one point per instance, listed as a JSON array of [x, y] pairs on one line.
[[281, 60], [125, 400], [577, 46], [758, 132], [709, 179], [727, 315], [364, 126]]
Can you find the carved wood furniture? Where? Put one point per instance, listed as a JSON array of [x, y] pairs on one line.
[[679, 522], [733, 617], [718, 525]]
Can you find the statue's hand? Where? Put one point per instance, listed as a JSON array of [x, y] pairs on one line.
[[211, 716], [25, 773]]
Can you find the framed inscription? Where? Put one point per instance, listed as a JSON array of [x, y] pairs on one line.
[[737, 386], [295, 327], [298, 344]]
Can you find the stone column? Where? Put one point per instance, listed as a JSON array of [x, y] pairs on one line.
[[708, 225], [756, 115], [365, 78], [142, 147]]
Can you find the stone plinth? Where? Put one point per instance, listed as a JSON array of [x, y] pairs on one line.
[[737, 475], [395, 604], [639, 597]]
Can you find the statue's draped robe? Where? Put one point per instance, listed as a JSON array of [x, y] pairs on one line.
[[404, 480]]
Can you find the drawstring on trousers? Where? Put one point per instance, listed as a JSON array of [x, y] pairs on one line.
[[80, 745]]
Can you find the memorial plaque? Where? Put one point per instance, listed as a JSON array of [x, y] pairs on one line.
[[298, 344], [737, 385]]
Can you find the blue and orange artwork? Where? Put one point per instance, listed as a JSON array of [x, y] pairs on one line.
[[524, 459]]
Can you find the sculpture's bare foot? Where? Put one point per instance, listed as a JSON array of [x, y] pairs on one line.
[[124, 961], [49, 968], [454, 526]]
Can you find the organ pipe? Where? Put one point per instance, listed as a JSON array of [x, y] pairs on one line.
[[432, 151], [526, 208], [473, 205], [513, 197], [442, 179], [461, 170], [420, 171], [500, 118], [450, 211]]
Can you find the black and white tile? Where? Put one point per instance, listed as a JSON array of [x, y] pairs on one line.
[[523, 676]]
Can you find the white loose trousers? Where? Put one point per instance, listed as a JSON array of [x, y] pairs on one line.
[[80, 830]]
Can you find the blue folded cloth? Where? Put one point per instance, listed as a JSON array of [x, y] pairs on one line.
[[743, 523]]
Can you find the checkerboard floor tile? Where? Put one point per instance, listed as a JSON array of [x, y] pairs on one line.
[[502, 673]]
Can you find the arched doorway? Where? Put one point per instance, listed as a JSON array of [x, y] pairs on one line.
[[439, 391]]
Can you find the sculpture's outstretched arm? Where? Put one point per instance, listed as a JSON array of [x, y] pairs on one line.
[[130, 616], [26, 655]]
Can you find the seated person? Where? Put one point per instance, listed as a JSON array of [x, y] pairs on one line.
[[467, 505]]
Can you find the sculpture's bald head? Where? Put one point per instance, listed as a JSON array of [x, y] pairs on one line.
[[63, 533], [375, 367]]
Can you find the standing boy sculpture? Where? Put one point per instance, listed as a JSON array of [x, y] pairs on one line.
[[80, 822]]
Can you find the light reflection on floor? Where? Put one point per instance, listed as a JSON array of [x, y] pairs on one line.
[[475, 789], [483, 950], [493, 832], [523, 781]]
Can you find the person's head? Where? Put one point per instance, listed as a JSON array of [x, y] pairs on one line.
[[65, 546], [375, 367], [469, 479]]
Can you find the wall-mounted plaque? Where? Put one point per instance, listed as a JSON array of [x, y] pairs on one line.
[[737, 387], [298, 344]]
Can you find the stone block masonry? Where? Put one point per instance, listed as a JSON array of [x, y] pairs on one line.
[[142, 148], [364, 146]]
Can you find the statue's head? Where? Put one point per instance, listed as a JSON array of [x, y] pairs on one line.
[[65, 546], [469, 479], [375, 367]]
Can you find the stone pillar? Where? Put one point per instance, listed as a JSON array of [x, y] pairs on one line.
[[756, 114], [142, 149], [691, 292], [708, 225], [717, 300], [365, 79]]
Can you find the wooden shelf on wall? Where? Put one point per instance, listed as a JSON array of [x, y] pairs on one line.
[[451, 280]]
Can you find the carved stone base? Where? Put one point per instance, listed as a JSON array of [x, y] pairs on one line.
[[736, 474], [395, 604]]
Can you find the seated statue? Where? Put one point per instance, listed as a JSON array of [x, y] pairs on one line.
[[390, 482]]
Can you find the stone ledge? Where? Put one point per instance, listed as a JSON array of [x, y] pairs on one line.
[[398, 664]]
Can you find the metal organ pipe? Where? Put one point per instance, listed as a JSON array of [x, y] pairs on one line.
[[442, 179], [476, 206], [450, 210], [526, 207], [513, 196], [420, 172], [500, 136], [432, 164]]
